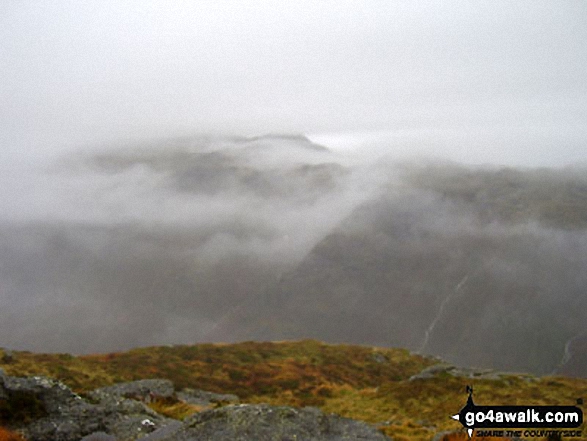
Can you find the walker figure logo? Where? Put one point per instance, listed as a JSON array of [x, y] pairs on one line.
[[473, 417]]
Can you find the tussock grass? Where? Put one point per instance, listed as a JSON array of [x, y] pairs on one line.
[[175, 409], [368, 384]]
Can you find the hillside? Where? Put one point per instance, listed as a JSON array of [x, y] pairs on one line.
[[218, 239], [390, 388], [154, 244], [482, 267]]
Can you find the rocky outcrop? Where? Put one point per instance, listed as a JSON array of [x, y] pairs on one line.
[[464, 372], [263, 422], [204, 398], [142, 390], [46, 410]]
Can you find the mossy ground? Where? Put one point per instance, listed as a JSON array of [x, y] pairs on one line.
[[369, 384]]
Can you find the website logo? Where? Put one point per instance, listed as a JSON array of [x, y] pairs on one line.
[[490, 418]]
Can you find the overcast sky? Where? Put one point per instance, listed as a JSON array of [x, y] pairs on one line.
[[507, 78]]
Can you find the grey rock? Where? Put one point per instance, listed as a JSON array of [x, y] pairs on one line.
[[378, 357], [143, 390], [137, 426], [164, 432], [47, 410], [50, 411], [437, 369], [204, 398], [262, 422], [431, 371], [98, 436]]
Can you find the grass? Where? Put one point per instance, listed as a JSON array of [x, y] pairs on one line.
[[368, 384], [175, 409]]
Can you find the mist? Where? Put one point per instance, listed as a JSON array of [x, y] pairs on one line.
[[76, 75], [275, 237], [208, 171], [480, 266], [154, 243]]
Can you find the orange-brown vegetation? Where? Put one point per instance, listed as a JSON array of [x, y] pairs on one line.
[[7, 435], [175, 409], [369, 384]]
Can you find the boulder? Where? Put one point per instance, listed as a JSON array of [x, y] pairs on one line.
[[47, 410], [98, 436], [204, 398], [262, 422], [448, 369], [142, 390]]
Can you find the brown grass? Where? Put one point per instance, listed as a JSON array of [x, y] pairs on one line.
[[175, 409], [7, 435], [352, 381]]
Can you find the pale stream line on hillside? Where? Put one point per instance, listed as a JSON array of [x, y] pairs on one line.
[[435, 320], [567, 354]]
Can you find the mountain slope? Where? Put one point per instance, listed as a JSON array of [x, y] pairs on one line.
[[483, 268], [155, 244]]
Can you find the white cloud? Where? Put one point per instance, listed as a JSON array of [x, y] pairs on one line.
[[82, 72]]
